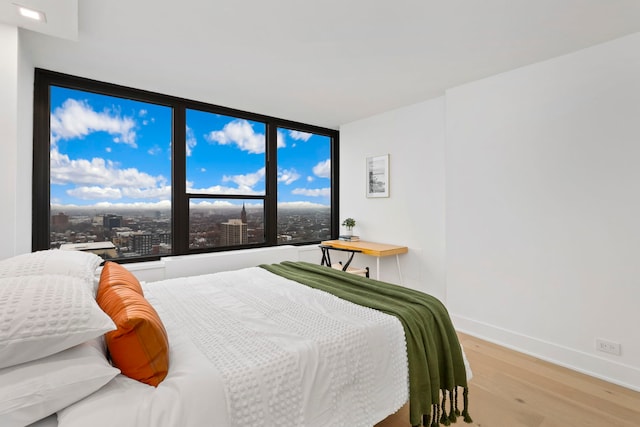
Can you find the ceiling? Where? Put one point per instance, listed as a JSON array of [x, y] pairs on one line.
[[61, 17], [324, 62]]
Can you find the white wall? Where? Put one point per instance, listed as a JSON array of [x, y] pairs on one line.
[[16, 110], [24, 152], [413, 215], [543, 208], [8, 136]]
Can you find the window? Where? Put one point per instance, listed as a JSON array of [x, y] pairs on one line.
[[134, 175], [304, 186], [110, 174], [226, 158]]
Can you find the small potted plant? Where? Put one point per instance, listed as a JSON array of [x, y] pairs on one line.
[[349, 223]]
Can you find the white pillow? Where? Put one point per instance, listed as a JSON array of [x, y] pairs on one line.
[[42, 315], [36, 389], [54, 261]]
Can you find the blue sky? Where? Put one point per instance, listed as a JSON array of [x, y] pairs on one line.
[[108, 151]]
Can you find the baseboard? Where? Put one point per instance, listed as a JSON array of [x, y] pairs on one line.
[[589, 364]]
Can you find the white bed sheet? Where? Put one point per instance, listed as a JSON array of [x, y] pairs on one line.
[[194, 392]]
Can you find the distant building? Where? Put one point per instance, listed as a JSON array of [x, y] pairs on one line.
[[243, 215], [284, 238], [59, 221], [234, 232], [162, 238], [111, 221], [142, 243], [105, 250]]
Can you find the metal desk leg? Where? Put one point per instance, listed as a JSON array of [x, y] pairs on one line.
[[397, 263], [399, 271]]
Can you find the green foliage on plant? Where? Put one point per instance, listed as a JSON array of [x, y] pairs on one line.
[[349, 223]]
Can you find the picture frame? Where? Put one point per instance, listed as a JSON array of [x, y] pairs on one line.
[[377, 179]]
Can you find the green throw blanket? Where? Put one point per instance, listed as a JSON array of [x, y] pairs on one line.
[[436, 366]]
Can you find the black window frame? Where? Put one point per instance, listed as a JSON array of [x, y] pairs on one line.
[[41, 188]]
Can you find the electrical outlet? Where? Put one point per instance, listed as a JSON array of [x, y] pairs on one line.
[[608, 346]]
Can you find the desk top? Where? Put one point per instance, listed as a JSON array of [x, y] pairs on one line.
[[368, 248]]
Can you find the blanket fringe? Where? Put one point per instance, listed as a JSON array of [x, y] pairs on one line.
[[455, 390], [465, 409], [426, 419], [438, 413], [452, 412], [445, 418]]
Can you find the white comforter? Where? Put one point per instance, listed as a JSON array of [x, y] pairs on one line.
[[252, 348]]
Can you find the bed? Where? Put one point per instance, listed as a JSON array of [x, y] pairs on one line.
[[263, 346]]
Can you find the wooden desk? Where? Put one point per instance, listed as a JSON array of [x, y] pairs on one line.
[[371, 248]]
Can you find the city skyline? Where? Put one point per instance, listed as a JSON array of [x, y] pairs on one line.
[[134, 235], [166, 206]]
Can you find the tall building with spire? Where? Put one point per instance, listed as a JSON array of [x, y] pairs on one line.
[[234, 231]]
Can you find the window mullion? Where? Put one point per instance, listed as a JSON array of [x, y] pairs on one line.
[[41, 165], [180, 199], [271, 199], [335, 186]]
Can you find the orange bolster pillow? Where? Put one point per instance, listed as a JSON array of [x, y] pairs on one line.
[[114, 274], [139, 347]]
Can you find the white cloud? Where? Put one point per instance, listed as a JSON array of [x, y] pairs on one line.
[[300, 136], [306, 205], [76, 119], [166, 204], [154, 150], [221, 189], [210, 204], [310, 179], [101, 179], [142, 112], [162, 192], [288, 176], [222, 204], [191, 141], [160, 205], [312, 192], [203, 170], [97, 171], [241, 133], [281, 139], [95, 192], [246, 182], [107, 149], [323, 169]]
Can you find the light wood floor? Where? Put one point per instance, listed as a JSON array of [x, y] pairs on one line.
[[510, 389]]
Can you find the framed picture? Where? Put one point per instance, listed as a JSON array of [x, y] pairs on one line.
[[378, 176]]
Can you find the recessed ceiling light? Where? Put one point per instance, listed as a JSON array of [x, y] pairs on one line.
[[31, 13]]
